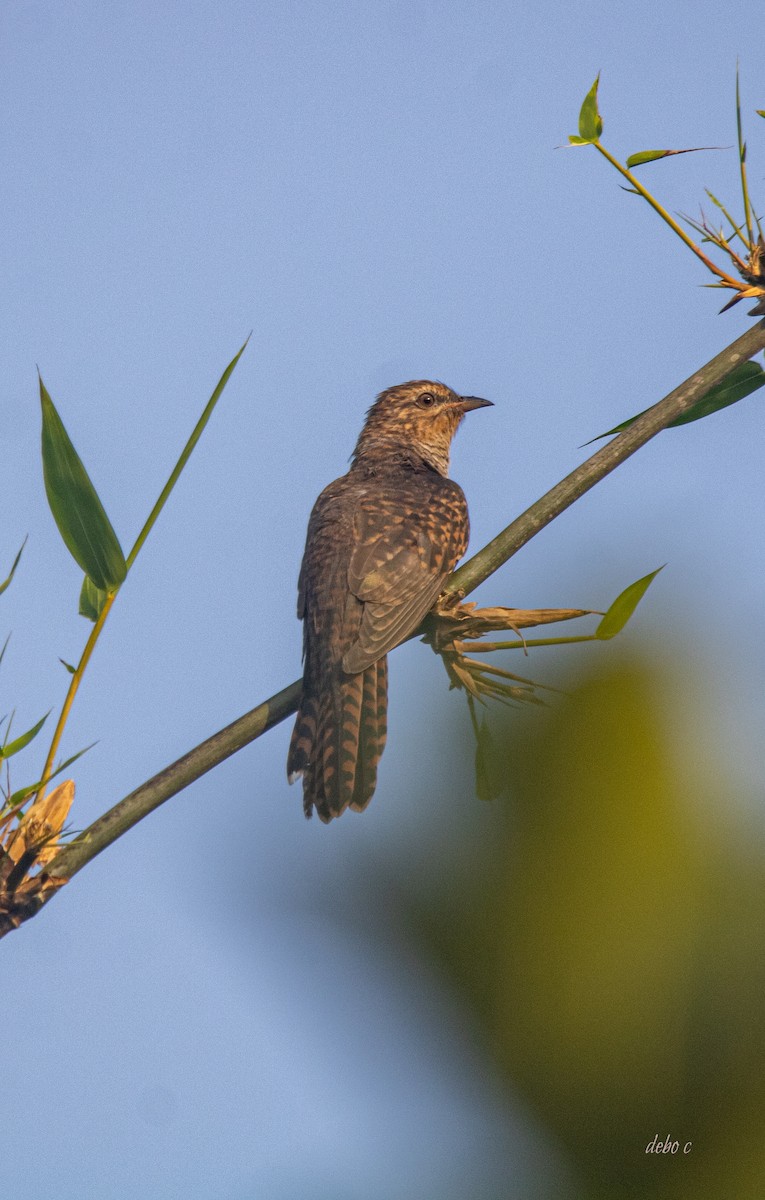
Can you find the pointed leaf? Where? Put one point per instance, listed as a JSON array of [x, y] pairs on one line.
[[5, 647], [68, 762], [760, 112], [578, 141], [635, 160], [623, 607], [749, 377], [590, 122], [186, 453], [7, 582], [21, 795], [718, 204], [92, 600], [74, 502], [645, 156], [745, 379], [20, 742], [68, 666]]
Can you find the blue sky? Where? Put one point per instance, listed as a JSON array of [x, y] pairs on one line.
[[376, 191]]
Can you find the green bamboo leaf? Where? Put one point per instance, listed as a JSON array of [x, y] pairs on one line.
[[68, 762], [745, 379], [92, 600], [742, 165], [750, 377], [590, 122], [19, 743], [623, 607], [74, 502], [20, 796], [635, 160], [645, 156], [186, 453], [6, 582]]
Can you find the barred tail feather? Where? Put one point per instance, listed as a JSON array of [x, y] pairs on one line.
[[337, 742], [372, 732], [303, 737], [337, 746]]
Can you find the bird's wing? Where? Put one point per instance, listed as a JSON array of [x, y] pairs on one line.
[[398, 568]]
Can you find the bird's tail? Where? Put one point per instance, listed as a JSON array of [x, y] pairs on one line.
[[338, 739]]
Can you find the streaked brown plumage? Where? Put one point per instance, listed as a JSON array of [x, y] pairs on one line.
[[381, 542]]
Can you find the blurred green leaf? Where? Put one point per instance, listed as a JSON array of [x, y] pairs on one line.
[[74, 502], [484, 751], [590, 122], [579, 141], [5, 647], [603, 933], [92, 600], [760, 112], [623, 607], [747, 378], [19, 743], [68, 666], [7, 582]]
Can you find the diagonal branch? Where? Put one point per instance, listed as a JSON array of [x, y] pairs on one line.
[[247, 728], [483, 564], [197, 762]]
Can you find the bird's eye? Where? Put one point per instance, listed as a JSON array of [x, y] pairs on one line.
[[426, 400]]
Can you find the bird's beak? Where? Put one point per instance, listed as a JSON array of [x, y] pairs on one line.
[[468, 403]]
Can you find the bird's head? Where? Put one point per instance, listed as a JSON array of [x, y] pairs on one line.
[[419, 417]]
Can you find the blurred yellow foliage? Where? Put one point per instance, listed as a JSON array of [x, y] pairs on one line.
[[609, 934]]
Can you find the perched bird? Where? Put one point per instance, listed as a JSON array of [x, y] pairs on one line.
[[381, 542]]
